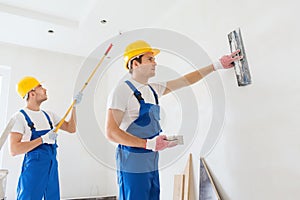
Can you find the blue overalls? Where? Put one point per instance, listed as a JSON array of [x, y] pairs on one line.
[[39, 175], [138, 175]]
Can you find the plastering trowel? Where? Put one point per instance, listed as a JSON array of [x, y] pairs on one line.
[[176, 138], [240, 66]]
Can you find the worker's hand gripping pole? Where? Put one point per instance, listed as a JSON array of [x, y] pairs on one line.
[[84, 86]]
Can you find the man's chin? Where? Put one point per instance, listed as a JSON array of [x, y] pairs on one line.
[[153, 74]]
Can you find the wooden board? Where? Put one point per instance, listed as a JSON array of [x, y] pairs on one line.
[[184, 183], [178, 187], [187, 178]]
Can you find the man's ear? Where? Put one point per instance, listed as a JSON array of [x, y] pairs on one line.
[[31, 94], [135, 64]]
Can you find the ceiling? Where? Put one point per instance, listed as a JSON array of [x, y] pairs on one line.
[[77, 25]]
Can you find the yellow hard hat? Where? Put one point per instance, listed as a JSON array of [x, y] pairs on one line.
[[26, 84], [137, 48]]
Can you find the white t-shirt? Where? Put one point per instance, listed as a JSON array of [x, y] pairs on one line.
[[122, 98], [38, 118]]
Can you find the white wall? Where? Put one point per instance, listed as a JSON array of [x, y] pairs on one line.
[[257, 156]]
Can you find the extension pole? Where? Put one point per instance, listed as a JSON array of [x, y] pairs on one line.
[[84, 86]]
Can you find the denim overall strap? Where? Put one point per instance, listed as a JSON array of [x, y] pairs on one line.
[[31, 124], [155, 94], [47, 116], [136, 93], [28, 120]]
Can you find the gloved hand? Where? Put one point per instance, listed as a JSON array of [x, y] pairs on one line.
[[159, 143], [49, 137], [78, 98], [226, 61]]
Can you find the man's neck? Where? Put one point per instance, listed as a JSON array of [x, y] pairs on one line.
[[142, 80], [33, 107]]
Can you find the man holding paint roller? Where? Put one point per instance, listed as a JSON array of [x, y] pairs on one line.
[[133, 119], [33, 135]]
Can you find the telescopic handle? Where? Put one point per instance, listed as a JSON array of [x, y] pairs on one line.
[[83, 87]]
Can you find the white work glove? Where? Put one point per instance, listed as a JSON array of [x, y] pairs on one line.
[[159, 143], [49, 137], [78, 98], [226, 62]]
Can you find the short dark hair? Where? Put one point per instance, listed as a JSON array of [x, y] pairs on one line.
[[138, 59]]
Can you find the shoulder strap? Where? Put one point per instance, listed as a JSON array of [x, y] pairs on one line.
[[136, 93], [154, 93], [48, 118], [29, 122]]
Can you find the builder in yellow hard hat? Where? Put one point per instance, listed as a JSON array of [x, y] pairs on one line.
[[133, 119], [33, 135]]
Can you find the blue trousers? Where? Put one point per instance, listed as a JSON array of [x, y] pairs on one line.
[[39, 177], [139, 186]]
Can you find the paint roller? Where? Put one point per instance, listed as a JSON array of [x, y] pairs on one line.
[[83, 87], [241, 67]]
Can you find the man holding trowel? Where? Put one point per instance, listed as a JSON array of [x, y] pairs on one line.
[[33, 135], [133, 119]]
